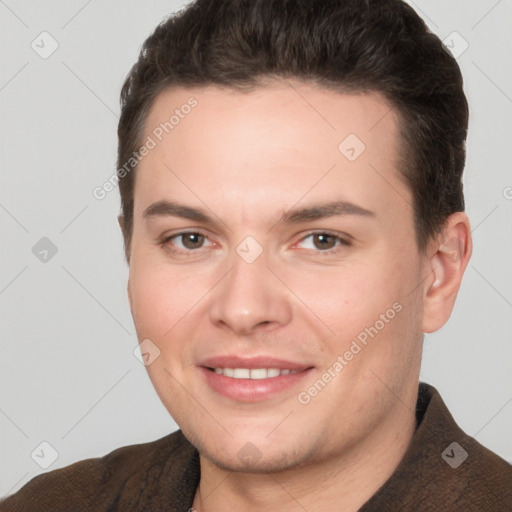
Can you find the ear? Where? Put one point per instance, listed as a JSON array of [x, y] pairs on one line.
[[120, 220], [128, 289], [447, 258]]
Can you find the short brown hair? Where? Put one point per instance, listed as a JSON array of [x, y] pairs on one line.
[[345, 45]]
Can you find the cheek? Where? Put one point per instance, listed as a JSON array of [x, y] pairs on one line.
[[367, 301], [164, 307], [152, 305], [346, 299], [161, 298]]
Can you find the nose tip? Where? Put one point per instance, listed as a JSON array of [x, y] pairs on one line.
[[249, 298], [243, 326]]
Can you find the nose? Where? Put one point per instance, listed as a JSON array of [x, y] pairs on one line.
[[250, 298]]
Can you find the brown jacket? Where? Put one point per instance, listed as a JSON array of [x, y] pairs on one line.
[[435, 474]]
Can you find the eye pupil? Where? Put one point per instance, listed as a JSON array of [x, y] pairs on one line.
[[193, 240], [324, 241]]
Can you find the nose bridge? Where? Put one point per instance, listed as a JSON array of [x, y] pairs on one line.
[[249, 296]]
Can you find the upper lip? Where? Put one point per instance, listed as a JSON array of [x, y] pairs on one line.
[[227, 361]]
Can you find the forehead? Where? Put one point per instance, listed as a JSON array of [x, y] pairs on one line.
[[272, 145], [285, 107]]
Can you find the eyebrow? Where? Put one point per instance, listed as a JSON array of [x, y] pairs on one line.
[[165, 208], [323, 211], [169, 208]]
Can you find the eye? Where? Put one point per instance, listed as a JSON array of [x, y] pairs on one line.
[[323, 241], [187, 241]]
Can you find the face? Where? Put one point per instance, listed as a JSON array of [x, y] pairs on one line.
[[275, 273]]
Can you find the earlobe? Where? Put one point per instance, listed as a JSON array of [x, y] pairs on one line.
[[438, 273], [122, 225], [129, 291], [450, 253], [120, 220]]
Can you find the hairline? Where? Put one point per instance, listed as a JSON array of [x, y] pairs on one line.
[[404, 155]]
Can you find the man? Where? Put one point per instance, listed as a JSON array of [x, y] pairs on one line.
[[293, 217]]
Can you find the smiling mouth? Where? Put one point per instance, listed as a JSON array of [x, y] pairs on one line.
[[252, 373], [252, 379]]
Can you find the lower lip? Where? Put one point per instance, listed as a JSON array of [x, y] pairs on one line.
[[252, 390]]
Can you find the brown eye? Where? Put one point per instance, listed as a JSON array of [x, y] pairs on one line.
[[187, 243], [192, 240], [324, 241]]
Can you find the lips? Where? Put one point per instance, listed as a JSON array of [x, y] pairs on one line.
[[253, 373], [251, 363], [251, 379]]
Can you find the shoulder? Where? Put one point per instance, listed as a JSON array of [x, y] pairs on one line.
[[466, 475], [100, 483], [444, 468], [479, 478]]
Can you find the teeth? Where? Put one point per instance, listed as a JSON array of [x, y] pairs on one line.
[[253, 373], [258, 373], [241, 373]]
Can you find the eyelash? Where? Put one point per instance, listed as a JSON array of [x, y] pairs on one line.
[[340, 242], [166, 242]]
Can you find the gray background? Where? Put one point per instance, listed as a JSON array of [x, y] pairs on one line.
[[68, 373]]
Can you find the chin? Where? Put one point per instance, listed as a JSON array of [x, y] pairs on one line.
[[251, 454], [250, 459]]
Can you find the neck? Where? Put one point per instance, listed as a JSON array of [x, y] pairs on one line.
[[341, 482]]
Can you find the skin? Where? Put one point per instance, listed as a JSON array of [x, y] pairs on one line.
[[246, 159]]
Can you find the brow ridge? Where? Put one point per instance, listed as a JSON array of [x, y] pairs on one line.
[[294, 216]]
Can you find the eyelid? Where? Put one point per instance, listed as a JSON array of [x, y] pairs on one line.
[[166, 239], [344, 239]]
